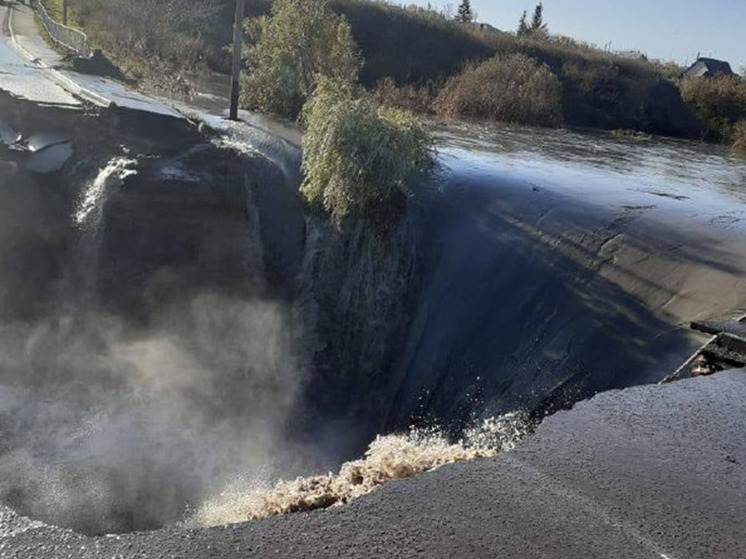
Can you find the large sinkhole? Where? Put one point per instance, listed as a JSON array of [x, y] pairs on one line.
[[142, 364], [150, 374], [109, 428], [177, 333]]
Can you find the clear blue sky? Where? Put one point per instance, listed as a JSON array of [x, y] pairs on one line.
[[668, 29]]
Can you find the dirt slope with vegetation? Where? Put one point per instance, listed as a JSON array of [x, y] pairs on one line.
[[720, 103], [424, 61], [422, 48], [162, 44]]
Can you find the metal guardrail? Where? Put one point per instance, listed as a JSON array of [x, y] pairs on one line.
[[72, 39]]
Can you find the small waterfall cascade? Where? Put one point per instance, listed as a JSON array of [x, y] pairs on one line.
[[89, 210], [88, 219]]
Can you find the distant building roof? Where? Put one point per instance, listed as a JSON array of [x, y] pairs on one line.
[[709, 67]]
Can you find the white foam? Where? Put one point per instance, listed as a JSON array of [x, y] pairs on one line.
[[94, 195], [388, 458]]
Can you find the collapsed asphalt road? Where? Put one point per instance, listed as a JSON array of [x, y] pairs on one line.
[[653, 472]]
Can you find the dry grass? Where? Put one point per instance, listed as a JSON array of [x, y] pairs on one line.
[[421, 49], [408, 97], [719, 102], [739, 136], [513, 88], [151, 38], [409, 53]]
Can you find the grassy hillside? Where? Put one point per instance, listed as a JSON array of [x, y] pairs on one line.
[[599, 89], [409, 45], [410, 53]]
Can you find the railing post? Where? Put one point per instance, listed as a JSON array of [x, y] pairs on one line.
[[237, 54], [64, 12]]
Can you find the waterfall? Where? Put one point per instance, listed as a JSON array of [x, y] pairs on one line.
[[90, 207], [88, 219]]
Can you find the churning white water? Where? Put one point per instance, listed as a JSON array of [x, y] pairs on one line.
[[88, 218], [90, 205], [388, 458]]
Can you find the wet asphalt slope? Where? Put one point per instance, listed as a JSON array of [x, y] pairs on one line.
[[649, 472]]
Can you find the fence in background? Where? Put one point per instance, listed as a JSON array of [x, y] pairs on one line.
[[69, 38]]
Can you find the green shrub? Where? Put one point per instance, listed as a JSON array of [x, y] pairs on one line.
[[408, 97], [514, 88], [359, 159], [300, 41], [719, 102]]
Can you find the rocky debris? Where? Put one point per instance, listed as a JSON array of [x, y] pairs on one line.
[[725, 350]]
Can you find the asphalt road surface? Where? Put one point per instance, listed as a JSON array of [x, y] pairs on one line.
[[21, 78]]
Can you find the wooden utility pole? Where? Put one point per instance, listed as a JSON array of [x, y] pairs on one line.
[[64, 12], [237, 54]]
